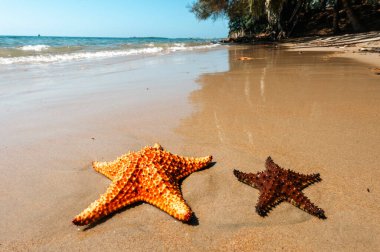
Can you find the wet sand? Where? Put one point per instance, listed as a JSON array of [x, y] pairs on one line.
[[310, 112]]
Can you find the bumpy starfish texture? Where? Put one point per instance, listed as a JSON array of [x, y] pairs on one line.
[[151, 175], [277, 184]]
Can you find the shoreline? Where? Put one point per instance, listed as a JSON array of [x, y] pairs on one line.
[[364, 47]]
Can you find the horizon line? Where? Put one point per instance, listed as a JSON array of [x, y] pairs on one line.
[[110, 37]]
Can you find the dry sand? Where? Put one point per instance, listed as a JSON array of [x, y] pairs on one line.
[[311, 112], [364, 47]]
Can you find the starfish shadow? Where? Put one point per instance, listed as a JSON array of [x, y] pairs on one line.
[[104, 219], [211, 164], [192, 222]]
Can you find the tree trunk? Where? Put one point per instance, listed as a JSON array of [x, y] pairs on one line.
[[336, 28], [322, 5], [351, 16], [294, 18]]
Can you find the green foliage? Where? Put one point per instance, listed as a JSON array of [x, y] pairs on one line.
[[250, 16], [247, 17], [204, 9]]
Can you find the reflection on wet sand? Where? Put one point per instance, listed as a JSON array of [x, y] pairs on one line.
[[310, 114], [275, 104]]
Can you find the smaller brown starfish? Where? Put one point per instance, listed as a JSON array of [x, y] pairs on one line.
[[277, 184]]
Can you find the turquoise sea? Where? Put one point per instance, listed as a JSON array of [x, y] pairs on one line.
[[41, 49]]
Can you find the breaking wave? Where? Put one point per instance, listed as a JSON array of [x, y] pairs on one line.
[[46, 54], [36, 48]]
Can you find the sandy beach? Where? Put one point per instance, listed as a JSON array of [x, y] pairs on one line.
[[312, 112]]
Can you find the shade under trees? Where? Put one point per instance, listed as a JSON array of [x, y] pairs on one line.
[[284, 18]]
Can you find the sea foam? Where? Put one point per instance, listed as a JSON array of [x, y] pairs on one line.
[[83, 55], [36, 48]]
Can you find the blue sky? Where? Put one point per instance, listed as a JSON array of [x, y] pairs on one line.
[[108, 18]]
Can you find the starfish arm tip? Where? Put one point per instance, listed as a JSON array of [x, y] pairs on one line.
[[78, 221], [97, 165], [269, 163], [321, 214], [262, 212], [158, 146], [236, 173], [187, 217], [241, 176], [203, 160], [206, 159]]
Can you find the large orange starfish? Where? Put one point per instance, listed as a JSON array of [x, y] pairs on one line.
[[151, 175]]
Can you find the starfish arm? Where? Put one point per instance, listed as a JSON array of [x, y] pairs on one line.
[[267, 200], [181, 167], [192, 164], [305, 180], [271, 165], [119, 194], [110, 169], [248, 178], [298, 199], [178, 166], [168, 198]]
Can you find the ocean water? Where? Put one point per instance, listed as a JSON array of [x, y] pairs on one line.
[[34, 49]]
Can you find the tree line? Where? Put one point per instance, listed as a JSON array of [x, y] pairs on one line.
[[284, 18]]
